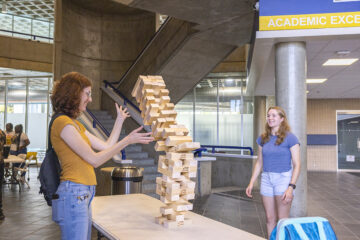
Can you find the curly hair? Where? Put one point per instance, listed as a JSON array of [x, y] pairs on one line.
[[283, 129], [66, 93]]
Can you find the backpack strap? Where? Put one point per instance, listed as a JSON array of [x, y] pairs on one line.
[[55, 116]]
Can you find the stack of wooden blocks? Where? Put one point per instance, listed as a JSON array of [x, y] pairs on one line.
[[177, 164]]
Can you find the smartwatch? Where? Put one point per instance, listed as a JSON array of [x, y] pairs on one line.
[[292, 185]]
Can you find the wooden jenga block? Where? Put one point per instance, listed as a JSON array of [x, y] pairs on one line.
[[173, 224], [172, 197], [187, 184], [178, 156], [146, 102], [164, 92], [160, 220], [150, 118], [170, 172], [157, 134], [157, 123], [167, 106], [160, 146], [176, 140], [187, 146], [166, 210], [168, 113], [181, 206], [164, 100], [186, 191], [161, 162], [173, 191], [179, 216], [190, 163], [189, 168], [190, 174], [152, 108], [188, 196], [174, 132], [174, 163], [170, 224], [164, 200], [137, 86]]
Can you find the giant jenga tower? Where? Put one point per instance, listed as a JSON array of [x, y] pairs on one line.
[[177, 165]]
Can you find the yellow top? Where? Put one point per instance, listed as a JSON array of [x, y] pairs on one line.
[[74, 168]]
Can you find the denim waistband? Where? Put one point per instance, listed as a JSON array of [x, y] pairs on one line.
[[66, 185]]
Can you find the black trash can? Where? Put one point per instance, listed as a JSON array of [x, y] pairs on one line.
[[126, 180]]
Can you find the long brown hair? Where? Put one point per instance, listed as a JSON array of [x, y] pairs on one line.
[[283, 129], [66, 93]]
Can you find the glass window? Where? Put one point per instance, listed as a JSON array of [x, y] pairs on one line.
[[37, 113], [5, 24], [22, 25], [40, 29], [16, 102], [185, 112], [2, 104], [206, 112], [235, 118]]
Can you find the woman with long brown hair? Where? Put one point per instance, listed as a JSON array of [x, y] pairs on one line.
[[279, 161], [79, 152]]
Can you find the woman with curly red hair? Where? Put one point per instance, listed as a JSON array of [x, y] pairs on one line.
[[79, 152], [279, 159]]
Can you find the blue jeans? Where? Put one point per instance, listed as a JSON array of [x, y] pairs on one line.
[[72, 210]]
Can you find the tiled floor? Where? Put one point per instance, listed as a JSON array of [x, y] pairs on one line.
[[335, 196]]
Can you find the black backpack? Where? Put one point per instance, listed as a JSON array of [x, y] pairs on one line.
[[50, 169]]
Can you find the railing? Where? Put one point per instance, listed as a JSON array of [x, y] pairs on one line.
[[24, 26], [32, 36], [104, 130], [213, 147], [142, 52], [126, 101]]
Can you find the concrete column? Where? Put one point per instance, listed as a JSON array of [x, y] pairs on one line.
[[270, 102], [290, 91]]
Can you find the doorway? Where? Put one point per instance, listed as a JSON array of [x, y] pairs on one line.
[[348, 140]]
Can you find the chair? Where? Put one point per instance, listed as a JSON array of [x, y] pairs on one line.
[[304, 228], [32, 156], [20, 172]]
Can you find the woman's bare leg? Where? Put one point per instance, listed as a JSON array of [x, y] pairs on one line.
[[283, 209], [271, 213]]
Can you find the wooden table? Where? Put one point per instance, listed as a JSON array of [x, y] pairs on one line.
[[133, 217], [14, 159]]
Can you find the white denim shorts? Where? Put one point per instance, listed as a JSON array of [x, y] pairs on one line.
[[274, 184]]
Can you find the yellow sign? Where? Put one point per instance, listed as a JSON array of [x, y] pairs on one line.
[[308, 21]]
